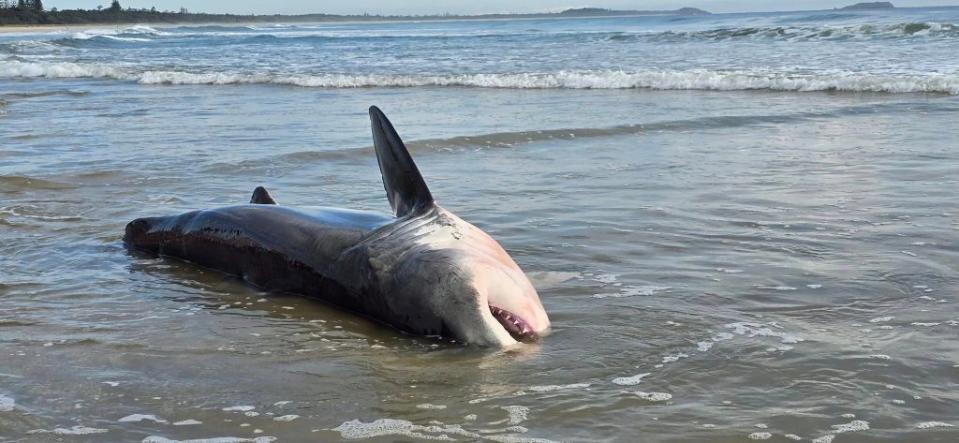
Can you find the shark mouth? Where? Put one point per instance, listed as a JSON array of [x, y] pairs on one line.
[[516, 326]]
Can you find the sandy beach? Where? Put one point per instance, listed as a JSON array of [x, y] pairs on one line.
[[47, 29]]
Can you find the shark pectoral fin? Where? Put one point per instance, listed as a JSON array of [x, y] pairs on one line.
[[261, 197], [405, 187]]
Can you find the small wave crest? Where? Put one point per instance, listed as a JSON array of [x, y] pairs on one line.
[[14, 183], [15, 95], [511, 139], [696, 79]]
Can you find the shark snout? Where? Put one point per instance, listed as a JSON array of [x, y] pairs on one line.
[[136, 229]]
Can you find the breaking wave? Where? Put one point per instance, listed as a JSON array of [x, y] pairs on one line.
[[814, 33], [137, 30], [22, 69], [697, 79]]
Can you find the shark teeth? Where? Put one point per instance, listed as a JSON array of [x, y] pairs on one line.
[[516, 326]]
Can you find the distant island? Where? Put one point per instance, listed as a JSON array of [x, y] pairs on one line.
[[31, 12], [865, 6]]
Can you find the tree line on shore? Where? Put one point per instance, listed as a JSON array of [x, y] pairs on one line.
[[32, 12]]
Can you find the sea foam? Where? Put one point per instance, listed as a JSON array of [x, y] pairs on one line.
[[694, 79]]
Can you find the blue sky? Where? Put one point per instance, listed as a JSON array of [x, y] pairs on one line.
[[463, 6]]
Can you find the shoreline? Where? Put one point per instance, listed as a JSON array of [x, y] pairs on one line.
[[48, 28]]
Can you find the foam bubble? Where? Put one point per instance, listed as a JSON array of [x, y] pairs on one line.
[[793, 437], [242, 408], [187, 422], [654, 396], [6, 403], [853, 426], [517, 414], [760, 436], [630, 381], [430, 406], [356, 430], [136, 418], [882, 319], [933, 424], [551, 388], [605, 278], [75, 430], [758, 330], [674, 357], [286, 418]]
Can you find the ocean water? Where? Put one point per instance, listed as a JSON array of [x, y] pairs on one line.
[[743, 226]]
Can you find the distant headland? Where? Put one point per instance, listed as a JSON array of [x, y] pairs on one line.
[[32, 12], [864, 6]]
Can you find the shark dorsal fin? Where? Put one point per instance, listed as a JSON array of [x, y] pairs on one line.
[[261, 197], [404, 185]]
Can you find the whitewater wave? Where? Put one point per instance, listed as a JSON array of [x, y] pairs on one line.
[[697, 79], [136, 30]]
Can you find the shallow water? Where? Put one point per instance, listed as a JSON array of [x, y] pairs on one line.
[[717, 265]]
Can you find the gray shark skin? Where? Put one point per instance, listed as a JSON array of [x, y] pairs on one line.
[[422, 270]]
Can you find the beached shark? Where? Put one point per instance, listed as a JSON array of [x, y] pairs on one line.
[[423, 270]]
